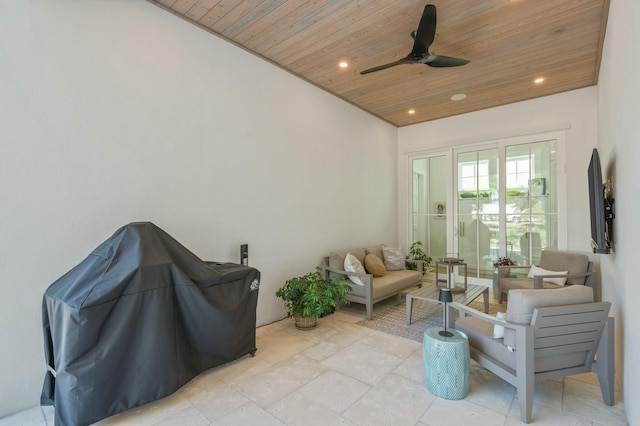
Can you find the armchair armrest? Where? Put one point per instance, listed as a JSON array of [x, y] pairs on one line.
[[538, 279]]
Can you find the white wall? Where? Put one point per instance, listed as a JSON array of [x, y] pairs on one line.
[[619, 149], [113, 112], [574, 113]]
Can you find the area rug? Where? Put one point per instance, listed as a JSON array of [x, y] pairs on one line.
[[392, 318]]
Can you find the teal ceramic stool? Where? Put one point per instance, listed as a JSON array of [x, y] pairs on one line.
[[446, 363]]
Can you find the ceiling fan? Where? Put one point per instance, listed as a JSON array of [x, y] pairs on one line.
[[422, 39]]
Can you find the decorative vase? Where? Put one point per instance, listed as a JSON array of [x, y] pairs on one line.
[[305, 323]]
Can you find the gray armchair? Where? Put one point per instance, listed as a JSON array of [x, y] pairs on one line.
[[547, 334], [579, 272]]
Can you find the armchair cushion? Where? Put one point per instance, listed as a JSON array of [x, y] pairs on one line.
[[523, 302], [573, 263], [480, 334], [536, 270]]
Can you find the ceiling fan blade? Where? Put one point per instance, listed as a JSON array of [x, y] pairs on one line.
[[385, 66], [426, 32], [440, 61], [422, 39]]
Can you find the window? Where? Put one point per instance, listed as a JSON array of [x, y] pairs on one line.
[[517, 172], [473, 176]]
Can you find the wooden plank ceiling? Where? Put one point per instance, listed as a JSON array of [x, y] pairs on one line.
[[509, 43]]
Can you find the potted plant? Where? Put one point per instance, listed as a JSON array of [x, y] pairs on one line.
[[312, 296], [416, 253], [502, 261]]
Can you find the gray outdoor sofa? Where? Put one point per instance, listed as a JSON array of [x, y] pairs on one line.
[[375, 289]]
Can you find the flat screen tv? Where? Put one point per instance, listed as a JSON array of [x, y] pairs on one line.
[[601, 206]]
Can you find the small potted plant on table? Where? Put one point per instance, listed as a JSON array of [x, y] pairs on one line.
[[502, 261], [312, 296]]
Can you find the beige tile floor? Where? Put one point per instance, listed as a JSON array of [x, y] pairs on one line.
[[345, 374]]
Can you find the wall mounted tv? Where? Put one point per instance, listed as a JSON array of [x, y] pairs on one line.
[[601, 205]]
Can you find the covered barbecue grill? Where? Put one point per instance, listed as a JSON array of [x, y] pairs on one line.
[[137, 319]]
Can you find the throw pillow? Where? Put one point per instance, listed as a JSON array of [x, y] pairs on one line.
[[498, 330], [374, 265], [536, 270], [352, 264], [393, 258]]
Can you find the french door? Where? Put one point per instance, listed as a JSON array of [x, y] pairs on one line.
[[481, 203], [478, 210], [430, 200]]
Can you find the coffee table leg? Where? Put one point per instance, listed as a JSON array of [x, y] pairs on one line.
[[409, 308], [485, 296]]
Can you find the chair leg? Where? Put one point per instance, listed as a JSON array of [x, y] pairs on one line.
[[525, 377], [604, 364], [525, 398]]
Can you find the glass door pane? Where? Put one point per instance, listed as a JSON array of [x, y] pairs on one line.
[[478, 210], [429, 195], [531, 200]]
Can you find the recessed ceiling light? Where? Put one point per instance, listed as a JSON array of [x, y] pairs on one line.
[[458, 97], [538, 80], [411, 111], [343, 64]]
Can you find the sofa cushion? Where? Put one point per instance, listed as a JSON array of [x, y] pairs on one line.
[[394, 282], [352, 264], [522, 303], [538, 271], [374, 265], [336, 259], [393, 258], [377, 250]]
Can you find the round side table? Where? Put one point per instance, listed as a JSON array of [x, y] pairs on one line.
[[446, 363]]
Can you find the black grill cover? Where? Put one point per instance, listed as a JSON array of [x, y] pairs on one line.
[[137, 319]]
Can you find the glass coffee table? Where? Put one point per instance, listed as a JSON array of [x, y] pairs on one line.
[[430, 293]]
